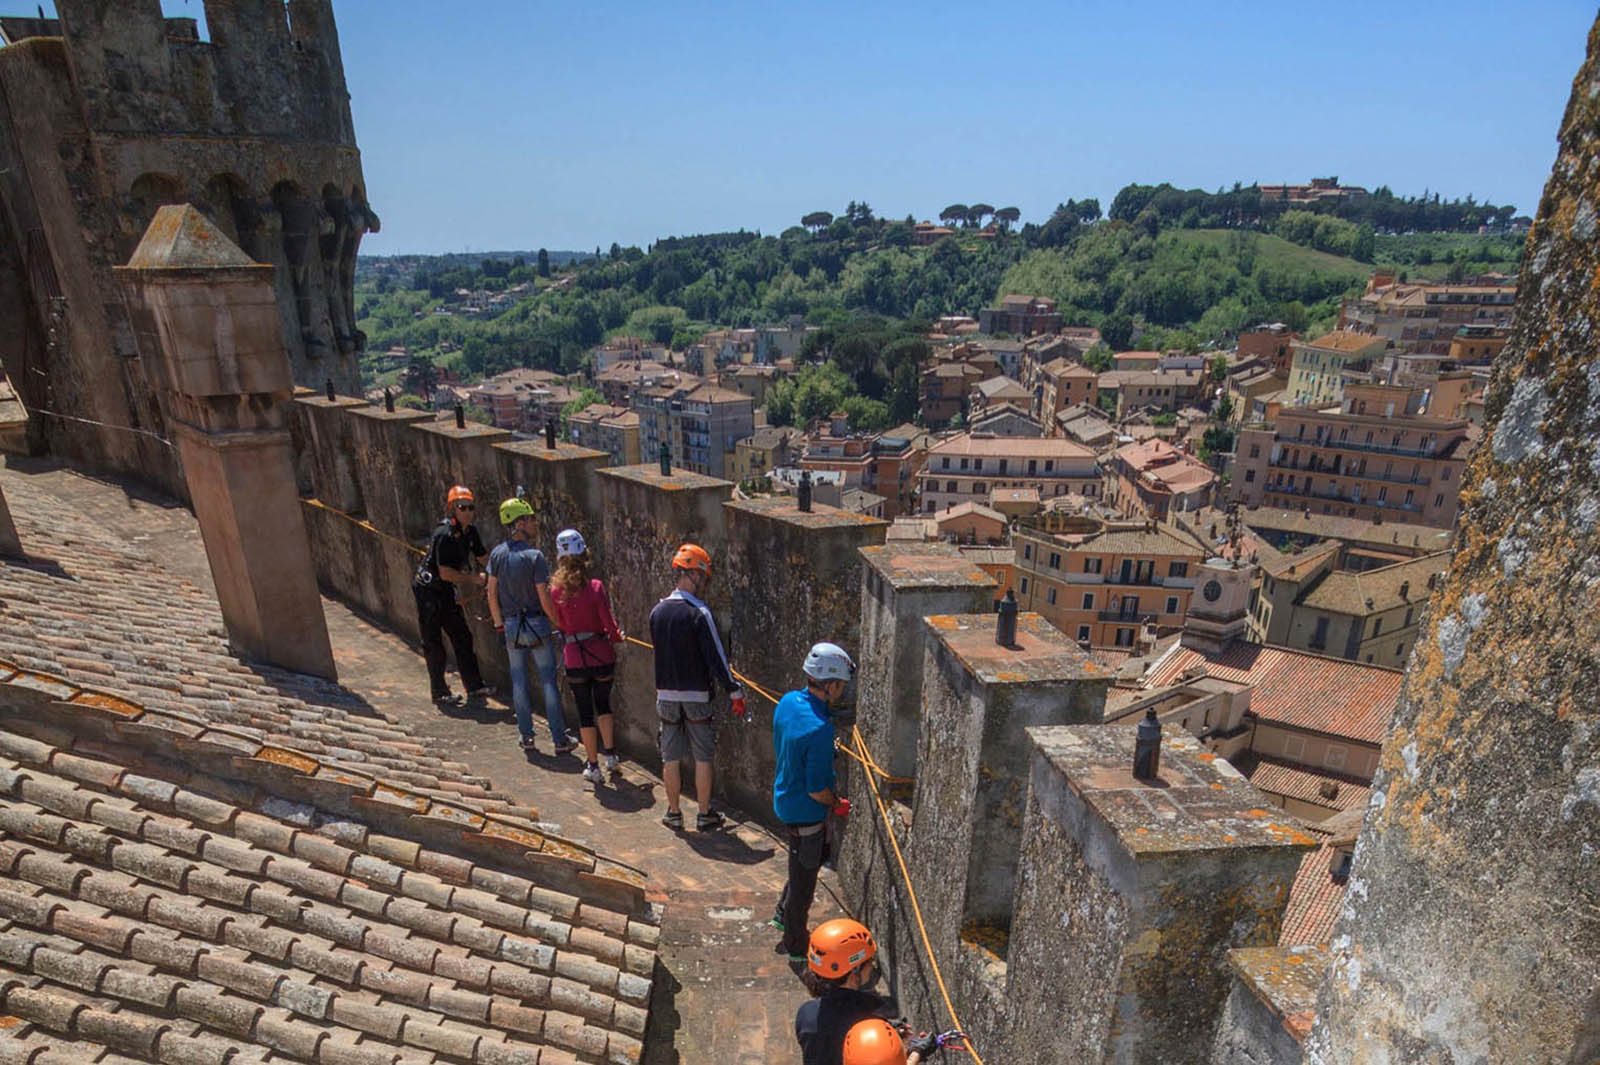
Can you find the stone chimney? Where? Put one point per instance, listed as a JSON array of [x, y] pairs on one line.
[[210, 335]]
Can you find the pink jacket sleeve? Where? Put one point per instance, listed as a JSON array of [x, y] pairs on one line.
[[607, 621]]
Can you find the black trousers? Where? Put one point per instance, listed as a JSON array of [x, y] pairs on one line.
[[806, 855], [440, 616]]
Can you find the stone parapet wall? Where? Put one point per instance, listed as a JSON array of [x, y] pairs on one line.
[[374, 484]]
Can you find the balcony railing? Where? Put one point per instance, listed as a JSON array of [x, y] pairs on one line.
[[1133, 618], [1352, 445], [1368, 475]]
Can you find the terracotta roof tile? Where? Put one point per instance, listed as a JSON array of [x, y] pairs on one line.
[[1314, 901], [1297, 688]]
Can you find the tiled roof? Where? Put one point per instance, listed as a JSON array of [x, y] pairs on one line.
[[1345, 341], [208, 861], [1291, 780], [1314, 901], [175, 891], [1297, 688], [1025, 447], [1349, 593], [962, 510]]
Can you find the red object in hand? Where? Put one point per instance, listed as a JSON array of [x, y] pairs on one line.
[[737, 705], [841, 808]]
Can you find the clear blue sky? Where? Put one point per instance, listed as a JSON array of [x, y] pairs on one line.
[[520, 124]]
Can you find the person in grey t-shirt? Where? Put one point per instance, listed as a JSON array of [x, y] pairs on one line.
[[519, 601]]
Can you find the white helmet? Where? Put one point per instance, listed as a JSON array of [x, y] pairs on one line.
[[569, 542], [828, 661]]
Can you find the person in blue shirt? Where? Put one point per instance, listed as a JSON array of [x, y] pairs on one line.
[[803, 791]]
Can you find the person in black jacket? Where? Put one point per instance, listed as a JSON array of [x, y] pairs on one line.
[[440, 581], [841, 969], [690, 663]]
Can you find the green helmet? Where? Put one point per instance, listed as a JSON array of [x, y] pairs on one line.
[[514, 508]]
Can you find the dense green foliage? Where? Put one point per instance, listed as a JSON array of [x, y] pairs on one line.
[[1169, 267]]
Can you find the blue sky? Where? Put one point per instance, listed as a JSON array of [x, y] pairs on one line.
[[520, 124]]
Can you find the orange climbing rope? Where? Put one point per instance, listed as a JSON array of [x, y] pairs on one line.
[[865, 756], [363, 523]]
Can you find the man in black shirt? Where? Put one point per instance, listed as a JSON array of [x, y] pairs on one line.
[[444, 569]]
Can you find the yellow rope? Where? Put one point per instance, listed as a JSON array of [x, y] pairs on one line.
[[367, 525], [740, 677], [911, 893]]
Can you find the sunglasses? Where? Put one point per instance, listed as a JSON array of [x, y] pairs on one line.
[[466, 506]]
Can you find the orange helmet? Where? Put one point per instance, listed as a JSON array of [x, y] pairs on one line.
[[839, 947], [692, 556], [874, 1042], [458, 493]]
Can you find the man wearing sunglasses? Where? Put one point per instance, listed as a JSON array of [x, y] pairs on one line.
[[440, 582]]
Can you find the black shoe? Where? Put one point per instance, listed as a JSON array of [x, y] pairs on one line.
[[529, 743], [566, 746], [448, 699], [673, 819], [482, 691], [776, 921], [709, 822]]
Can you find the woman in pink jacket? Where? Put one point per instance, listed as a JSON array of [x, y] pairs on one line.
[[583, 614]]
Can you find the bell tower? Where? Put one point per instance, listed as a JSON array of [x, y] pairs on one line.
[[1220, 606]]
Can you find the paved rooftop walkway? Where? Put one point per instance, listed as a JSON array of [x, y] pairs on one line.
[[725, 997]]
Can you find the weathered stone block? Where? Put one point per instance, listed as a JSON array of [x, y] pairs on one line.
[[1135, 891], [1270, 1005]]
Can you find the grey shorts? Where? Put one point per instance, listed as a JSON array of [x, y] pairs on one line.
[[683, 731]]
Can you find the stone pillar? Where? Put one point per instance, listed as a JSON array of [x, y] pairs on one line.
[[1135, 892], [900, 585], [208, 330], [1472, 920], [795, 579], [645, 516], [972, 771], [10, 543]]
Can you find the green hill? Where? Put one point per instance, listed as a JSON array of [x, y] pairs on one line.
[[1277, 252]]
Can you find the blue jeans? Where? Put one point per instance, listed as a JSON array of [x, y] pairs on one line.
[[543, 658]]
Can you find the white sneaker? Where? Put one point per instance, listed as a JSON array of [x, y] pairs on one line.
[[591, 773], [610, 762]]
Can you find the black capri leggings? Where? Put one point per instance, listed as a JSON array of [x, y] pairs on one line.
[[591, 691]]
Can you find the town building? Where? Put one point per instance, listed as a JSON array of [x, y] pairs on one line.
[[753, 379], [1158, 390], [1151, 478], [1100, 582], [1320, 190], [763, 451], [1380, 456], [1272, 343], [1005, 419], [699, 422], [1063, 383], [1306, 601], [1253, 392], [1088, 425], [1020, 316], [1477, 345], [925, 233], [885, 464], [945, 387], [971, 523], [603, 427], [1317, 367], [1136, 360], [1425, 317], [997, 390], [964, 469], [618, 381]]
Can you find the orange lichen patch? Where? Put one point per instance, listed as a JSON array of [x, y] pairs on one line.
[[8, 1021], [511, 833], [945, 622], [399, 797], [572, 852], [47, 683], [456, 815], [289, 759], [360, 783], [1256, 812], [1208, 756], [1010, 677], [110, 703]]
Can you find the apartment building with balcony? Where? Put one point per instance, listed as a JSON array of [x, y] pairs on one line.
[[699, 422], [1021, 316], [967, 467], [1063, 383], [1101, 582], [1317, 367], [1381, 456], [767, 449], [1425, 317]]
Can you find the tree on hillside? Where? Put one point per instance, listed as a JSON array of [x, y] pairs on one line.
[[1087, 210], [582, 400], [1117, 331], [544, 263], [1007, 216], [978, 212], [956, 212], [817, 221], [1219, 368], [421, 376], [858, 214]]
